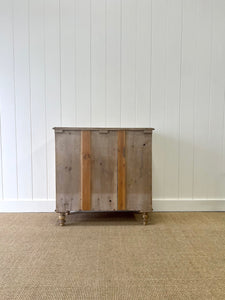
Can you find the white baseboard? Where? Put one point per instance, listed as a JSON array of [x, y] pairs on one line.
[[188, 205], [27, 205], [41, 205]]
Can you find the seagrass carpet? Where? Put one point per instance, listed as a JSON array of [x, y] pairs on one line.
[[112, 256]]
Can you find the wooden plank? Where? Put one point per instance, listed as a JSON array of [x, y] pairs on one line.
[[68, 171], [86, 169], [104, 170], [121, 170], [138, 171]]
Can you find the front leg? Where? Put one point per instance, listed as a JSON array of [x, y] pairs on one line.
[[145, 217], [62, 219]]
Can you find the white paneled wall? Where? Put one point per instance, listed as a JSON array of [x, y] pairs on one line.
[[114, 63]]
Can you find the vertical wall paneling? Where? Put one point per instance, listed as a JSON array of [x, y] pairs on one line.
[[1, 174], [52, 85], [202, 100], [143, 56], [67, 46], [38, 94], [113, 36], [98, 63], [187, 98], [128, 63], [22, 98], [217, 94], [113, 63], [158, 83], [7, 98], [172, 105], [83, 62]]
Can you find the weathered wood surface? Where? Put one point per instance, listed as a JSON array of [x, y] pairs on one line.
[[121, 170], [86, 171], [104, 170], [68, 171], [138, 171]]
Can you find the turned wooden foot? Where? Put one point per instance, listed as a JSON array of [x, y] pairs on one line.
[[145, 217], [62, 219]]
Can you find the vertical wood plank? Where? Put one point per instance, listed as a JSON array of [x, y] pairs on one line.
[[121, 170], [104, 170], [128, 63], [68, 171], [138, 171], [113, 67], [187, 99], [7, 102], [98, 63], [22, 98], [143, 57], [67, 46], [83, 62], [86, 169], [38, 103]]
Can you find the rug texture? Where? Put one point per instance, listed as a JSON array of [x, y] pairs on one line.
[[105, 256]]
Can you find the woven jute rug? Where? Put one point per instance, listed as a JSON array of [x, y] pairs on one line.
[[112, 256]]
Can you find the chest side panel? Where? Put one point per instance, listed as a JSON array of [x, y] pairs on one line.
[[68, 173], [104, 170], [138, 171]]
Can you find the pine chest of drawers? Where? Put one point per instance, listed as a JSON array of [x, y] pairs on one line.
[[103, 169]]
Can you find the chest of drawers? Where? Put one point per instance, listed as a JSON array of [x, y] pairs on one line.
[[103, 169]]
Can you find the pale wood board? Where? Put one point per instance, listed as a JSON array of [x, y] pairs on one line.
[[68, 172], [104, 170], [138, 171]]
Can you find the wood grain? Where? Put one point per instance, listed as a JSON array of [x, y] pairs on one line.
[[86, 170], [121, 170], [104, 170], [138, 171], [68, 171]]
